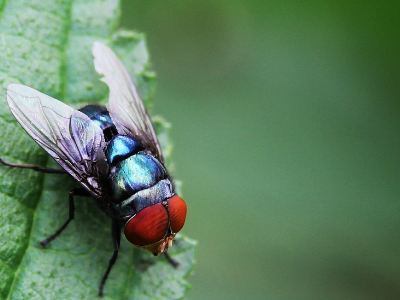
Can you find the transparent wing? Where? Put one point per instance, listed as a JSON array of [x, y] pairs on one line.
[[68, 135], [125, 105]]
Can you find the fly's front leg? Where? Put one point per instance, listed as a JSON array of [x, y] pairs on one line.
[[72, 193], [172, 261], [33, 167], [116, 236]]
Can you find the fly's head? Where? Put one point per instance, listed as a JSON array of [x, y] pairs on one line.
[[154, 227]]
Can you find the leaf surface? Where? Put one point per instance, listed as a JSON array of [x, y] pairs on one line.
[[46, 44]]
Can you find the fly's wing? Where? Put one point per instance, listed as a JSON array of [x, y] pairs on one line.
[[125, 105], [68, 135]]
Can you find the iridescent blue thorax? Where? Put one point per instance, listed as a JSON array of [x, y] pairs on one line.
[[101, 117], [136, 179]]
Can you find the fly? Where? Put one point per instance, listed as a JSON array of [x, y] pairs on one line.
[[113, 152]]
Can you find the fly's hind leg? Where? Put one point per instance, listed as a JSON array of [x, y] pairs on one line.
[[33, 167], [72, 193]]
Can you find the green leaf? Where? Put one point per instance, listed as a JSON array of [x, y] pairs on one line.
[[46, 44]]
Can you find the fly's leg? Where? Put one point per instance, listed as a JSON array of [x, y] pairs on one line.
[[72, 193], [33, 167], [172, 261], [116, 236]]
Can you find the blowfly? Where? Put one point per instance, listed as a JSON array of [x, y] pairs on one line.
[[113, 152]]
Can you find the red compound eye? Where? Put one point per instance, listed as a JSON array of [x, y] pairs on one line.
[[148, 227], [177, 213]]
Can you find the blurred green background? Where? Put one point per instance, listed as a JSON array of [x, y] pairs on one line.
[[286, 129]]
